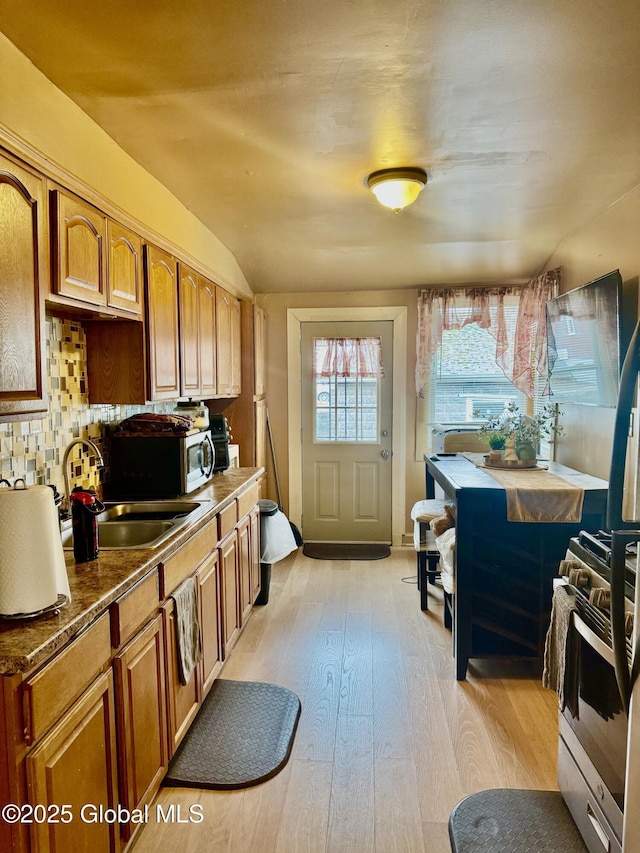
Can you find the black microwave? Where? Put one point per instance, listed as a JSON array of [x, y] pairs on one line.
[[160, 466]]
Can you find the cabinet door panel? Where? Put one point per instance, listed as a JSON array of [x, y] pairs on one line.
[[254, 553], [189, 333], [244, 565], [124, 276], [207, 329], [75, 765], [236, 351], [142, 714], [182, 699], [230, 608], [24, 261], [209, 605], [79, 249], [223, 342], [259, 347], [261, 433], [162, 317]]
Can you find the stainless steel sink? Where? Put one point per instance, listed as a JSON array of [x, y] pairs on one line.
[[148, 510], [138, 524]]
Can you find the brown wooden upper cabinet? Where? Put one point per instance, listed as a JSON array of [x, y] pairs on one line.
[[161, 277], [79, 256], [223, 342], [124, 270], [189, 332], [184, 345], [24, 264], [228, 345], [197, 335], [259, 347], [207, 327], [247, 413], [236, 348]]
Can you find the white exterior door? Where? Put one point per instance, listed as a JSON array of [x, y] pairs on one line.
[[346, 442]]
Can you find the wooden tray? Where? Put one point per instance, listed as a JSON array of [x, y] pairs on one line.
[[513, 464]]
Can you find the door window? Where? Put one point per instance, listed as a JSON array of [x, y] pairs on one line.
[[346, 385]]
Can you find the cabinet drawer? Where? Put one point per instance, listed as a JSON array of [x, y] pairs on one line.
[[227, 519], [133, 609], [51, 691], [247, 500], [185, 561]]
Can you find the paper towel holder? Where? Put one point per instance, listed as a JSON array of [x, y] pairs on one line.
[[52, 608], [62, 599], [15, 483]]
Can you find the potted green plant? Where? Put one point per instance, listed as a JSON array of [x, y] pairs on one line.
[[528, 431], [523, 430], [496, 438]]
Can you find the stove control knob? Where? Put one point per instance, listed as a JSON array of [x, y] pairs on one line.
[[578, 577], [628, 623], [600, 597]]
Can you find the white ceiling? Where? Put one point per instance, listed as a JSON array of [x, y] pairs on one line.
[[265, 116]]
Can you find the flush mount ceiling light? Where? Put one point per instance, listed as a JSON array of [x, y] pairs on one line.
[[397, 188]]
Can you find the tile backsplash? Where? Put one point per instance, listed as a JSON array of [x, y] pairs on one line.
[[34, 449]]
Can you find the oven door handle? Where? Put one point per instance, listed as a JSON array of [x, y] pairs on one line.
[[619, 541], [593, 639], [619, 450], [598, 828]]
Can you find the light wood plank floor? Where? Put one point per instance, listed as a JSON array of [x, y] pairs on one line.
[[388, 742]]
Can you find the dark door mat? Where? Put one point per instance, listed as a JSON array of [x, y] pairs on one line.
[[506, 821], [345, 551], [242, 736]]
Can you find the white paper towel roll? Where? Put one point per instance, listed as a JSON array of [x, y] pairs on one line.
[[32, 568]]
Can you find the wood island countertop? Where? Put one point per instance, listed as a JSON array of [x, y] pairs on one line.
[[94, 586]]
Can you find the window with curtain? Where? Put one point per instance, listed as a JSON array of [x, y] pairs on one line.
[[465, 382], [481, 348], [346, 373]]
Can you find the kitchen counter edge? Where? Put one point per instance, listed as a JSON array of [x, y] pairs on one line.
[[28, 643]]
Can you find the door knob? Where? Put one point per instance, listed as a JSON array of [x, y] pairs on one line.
[[385, 454]]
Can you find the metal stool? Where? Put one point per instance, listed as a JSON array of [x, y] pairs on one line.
[[505, 821]]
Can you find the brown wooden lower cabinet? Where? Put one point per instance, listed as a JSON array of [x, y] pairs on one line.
[[254, 553], [182, 699], [139, 671], [229, 606], [244, 566], [207, 578], [75, 765], [248, 532], [96, 726]]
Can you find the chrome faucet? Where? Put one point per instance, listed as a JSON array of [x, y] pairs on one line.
[[65, 462]]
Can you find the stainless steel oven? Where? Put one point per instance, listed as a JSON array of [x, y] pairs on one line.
[[593, 724]]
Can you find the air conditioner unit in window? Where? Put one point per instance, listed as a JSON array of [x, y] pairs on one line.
[[455, 438]]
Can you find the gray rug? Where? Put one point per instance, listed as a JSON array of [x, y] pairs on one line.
[[510, 821], [242, 736], [345, 551]]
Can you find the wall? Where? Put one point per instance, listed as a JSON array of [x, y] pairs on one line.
[[34, 449], [608, 242], [276, 306], [35, 112]]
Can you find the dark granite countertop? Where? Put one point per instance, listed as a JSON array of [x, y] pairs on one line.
[[27, 643]]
